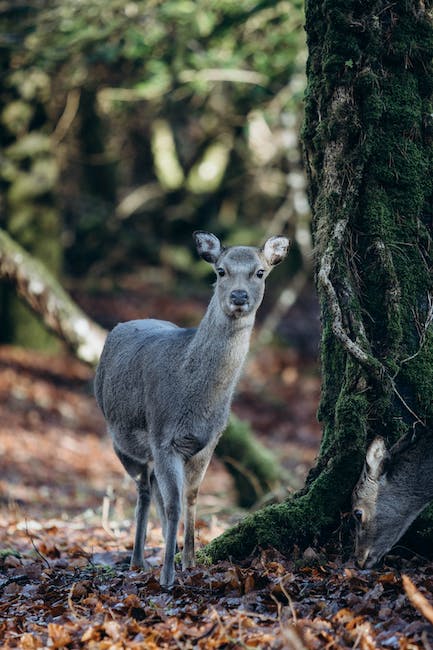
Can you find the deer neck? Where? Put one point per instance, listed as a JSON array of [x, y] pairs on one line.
[[220, 345]]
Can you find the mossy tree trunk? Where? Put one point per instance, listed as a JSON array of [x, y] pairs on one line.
[[368, 138]]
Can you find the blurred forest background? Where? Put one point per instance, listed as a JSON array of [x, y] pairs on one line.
[[127, 125]]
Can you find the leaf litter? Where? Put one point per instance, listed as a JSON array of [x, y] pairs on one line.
[[65, 540]]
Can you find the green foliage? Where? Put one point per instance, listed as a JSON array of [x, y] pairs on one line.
[[133, 66]]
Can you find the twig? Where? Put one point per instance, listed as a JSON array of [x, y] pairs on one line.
[[424, 330], [105, 513], [43, 558], [235, 75], [289, 600], [405, 404], [71, 605], [251, 478], [68, 115]]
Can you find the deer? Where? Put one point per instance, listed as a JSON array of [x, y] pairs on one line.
[[394, 487], [166, 391]]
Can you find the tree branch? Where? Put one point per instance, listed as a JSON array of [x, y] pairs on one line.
[[46, 297]]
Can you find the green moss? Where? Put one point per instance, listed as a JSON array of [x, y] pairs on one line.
[[254, 468]]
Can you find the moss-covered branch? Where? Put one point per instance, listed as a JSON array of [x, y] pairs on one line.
[[255, 469], [49, 301]]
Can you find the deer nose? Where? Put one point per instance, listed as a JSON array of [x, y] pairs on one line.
[[238, 297]]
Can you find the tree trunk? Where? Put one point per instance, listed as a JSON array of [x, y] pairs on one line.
[[368, 137]]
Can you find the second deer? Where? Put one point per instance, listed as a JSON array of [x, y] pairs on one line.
[[394, 487]]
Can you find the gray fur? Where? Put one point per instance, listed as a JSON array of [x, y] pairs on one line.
[[394, 487], [166, 391]]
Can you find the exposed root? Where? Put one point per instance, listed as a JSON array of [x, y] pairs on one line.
[[369, 362]]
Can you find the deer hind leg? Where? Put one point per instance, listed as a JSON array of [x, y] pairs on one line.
[[169, 475], [195, 470], [141, 474]]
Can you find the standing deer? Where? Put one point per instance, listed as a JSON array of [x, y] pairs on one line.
[[394, 487], [166, 391]]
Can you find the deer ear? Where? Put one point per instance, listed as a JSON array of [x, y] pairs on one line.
[[208, 246], [377, 455], [275, 250]]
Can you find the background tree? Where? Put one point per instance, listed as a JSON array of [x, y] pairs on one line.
[[368, 142]]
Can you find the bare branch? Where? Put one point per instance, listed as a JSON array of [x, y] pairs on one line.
[[68, 116]]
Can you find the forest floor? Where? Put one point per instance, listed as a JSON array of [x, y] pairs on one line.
[[66, 525]]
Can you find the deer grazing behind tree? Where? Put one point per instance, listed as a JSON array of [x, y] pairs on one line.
[[166, 391], [394, 487]]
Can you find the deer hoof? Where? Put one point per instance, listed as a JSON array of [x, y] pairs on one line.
[[139, 565], [166, 581]]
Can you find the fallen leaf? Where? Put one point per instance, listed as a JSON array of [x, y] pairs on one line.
[[59, 635]]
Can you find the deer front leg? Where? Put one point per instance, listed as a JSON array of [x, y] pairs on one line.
[[195, 470], [188, 555], [169, 473]]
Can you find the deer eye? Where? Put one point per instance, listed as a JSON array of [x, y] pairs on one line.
[[260, 273], [358, 514], [221, 272]]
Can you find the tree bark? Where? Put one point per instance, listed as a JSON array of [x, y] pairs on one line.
[[368, 137]]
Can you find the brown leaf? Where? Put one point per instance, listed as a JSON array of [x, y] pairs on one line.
[[310, 554], [249, 584], [387, 578], [92, 633], [30, 642], [232, 577], [59, 635], [113, 630], [80, 589], [12, 562], [343, 616]]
